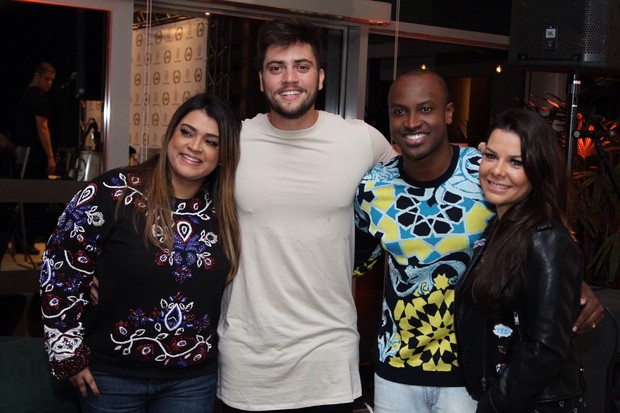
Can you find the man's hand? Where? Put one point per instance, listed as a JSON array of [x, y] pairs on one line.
[[83, 381], [591, 311], [51, 166]]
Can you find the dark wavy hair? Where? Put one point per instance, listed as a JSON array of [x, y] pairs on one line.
[[285, 32], [498, 279]]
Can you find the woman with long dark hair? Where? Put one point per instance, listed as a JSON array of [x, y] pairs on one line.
[[162, 239], [517, 302]]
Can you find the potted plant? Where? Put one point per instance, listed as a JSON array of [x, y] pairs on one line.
[[595, 215]]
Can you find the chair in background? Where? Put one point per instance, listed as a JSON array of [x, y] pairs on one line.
[[8, 158], [19, 237]]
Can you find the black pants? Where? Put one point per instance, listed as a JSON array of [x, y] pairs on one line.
[[332, 408]]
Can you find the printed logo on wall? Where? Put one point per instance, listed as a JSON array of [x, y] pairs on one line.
[[174, 79]]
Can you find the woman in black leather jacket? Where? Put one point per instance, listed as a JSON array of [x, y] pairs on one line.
[[516, 304]]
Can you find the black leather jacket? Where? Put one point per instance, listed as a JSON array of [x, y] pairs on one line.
[[526, 355]]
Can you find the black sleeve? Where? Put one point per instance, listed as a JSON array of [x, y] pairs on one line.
[[367, 249]]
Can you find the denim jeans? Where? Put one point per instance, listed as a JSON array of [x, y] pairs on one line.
[[393, 397], [124, 394], [330, 408]]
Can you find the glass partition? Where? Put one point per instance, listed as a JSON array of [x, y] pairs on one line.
[[92, 77], [175, 55], [74, 41]]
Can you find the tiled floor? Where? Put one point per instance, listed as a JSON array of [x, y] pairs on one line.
[[15, 262]]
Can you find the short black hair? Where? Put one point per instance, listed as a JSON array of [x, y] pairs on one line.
[[286, 32], [43, 68]]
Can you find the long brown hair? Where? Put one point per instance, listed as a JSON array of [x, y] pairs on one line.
[[498, 279], [221, 182]]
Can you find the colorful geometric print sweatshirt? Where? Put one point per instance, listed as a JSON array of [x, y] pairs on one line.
[[428, 230], [158, 310]]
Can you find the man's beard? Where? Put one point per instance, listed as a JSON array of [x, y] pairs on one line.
[[295, 113]]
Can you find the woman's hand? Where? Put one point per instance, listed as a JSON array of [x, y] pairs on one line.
[[94, 291], [83, 379]]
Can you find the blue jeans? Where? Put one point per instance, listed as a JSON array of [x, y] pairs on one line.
[[124, 394], [393, 397]]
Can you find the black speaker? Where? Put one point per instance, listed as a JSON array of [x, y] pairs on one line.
[[565, 34]]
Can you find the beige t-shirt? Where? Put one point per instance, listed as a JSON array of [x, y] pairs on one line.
[[288, 336]]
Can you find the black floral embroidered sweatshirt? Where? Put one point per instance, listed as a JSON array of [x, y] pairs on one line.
[[158, 311]]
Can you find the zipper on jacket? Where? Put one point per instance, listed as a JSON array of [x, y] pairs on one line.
[[517, 325]]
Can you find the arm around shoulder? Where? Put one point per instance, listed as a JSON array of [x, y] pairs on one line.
[[381, 147]]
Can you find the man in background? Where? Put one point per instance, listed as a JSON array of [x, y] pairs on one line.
[[32, 124], [31, 135]]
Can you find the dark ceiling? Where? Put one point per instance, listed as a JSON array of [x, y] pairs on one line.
[[27, 42], [487, 16]]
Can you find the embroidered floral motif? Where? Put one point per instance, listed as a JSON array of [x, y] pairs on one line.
[[145, 335], [126, 187], [171, 333], [190, 250]]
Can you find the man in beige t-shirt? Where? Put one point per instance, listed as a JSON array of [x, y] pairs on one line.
[[288, 335]]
